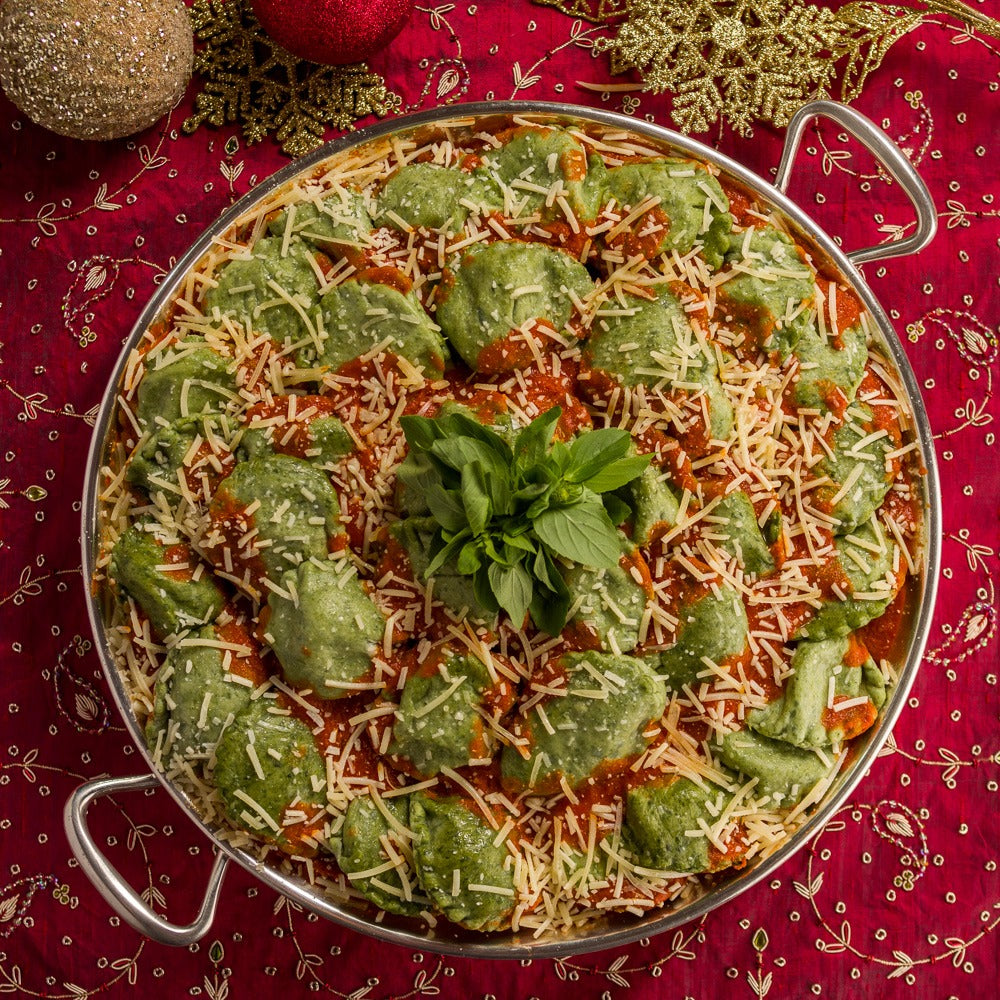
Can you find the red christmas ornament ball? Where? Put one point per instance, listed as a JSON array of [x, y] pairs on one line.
[[333, 31]]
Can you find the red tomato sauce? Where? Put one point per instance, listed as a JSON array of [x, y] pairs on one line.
[[643, 237], [851, 721], [755, 322], [741, 205], [249, 665], [230, 520], [182, 556], [882, 636], [848, 312], [391, 277], [514, 350]]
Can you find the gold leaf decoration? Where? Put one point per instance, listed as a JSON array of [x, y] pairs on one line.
[[251, 80], [598, 11], [754, 60]]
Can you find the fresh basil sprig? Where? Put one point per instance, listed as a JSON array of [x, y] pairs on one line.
[[506, 512]]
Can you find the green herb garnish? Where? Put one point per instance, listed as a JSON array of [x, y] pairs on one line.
[[505, 512]]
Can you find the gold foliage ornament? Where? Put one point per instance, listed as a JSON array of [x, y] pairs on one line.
[[598, 11], [251, 80], [750, 60]]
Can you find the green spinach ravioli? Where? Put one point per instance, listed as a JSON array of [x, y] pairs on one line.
[[509, 527]]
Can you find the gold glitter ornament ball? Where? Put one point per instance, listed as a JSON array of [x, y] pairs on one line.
[[95, 69]]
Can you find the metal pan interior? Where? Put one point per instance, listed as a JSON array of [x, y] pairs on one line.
[[613, 930]]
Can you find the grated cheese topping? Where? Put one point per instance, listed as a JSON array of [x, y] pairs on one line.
[[567, 856]]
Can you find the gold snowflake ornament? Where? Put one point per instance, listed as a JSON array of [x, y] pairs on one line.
[[250, 79], [597, 11], [742, 60], [750, 60]]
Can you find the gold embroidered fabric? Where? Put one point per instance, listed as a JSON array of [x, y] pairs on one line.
[[249, 79]]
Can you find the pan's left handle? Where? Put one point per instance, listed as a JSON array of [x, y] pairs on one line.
[[109, 882], [889, 156]]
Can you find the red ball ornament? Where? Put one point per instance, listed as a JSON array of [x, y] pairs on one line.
[[333, 31]]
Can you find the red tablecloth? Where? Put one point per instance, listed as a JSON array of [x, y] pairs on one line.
[[900, 894]]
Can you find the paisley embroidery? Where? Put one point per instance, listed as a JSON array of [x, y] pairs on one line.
[[16, 899]]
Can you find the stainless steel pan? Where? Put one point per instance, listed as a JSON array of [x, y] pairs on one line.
[[610, 931]]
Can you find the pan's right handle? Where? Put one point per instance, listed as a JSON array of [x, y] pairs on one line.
[[109, 882], [889, 156]]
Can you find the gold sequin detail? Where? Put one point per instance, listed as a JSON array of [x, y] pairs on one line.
[[598, 11]]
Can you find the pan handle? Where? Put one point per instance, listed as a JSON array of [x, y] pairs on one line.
[[889, 156], [109, 882]]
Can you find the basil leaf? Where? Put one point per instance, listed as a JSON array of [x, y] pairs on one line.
[[483, 591], [502, 515], [545, 570], [421, 432], [618, 510], [522, 542], [539, 505], [489, 547], [590, 452], [617, 474], [549, 609], [512, 555], [532, 443], [512, 586], [447, 550], [469, 559], [458, 452], [531, 491], [582, 533], [497, 483], [559, 460], [446, 507], [418, 470], [475, 498], [466, 426]]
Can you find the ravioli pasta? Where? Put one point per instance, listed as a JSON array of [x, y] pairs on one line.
[[323, 698]]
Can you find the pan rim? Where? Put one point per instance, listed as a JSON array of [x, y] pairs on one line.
[[505, 945]]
